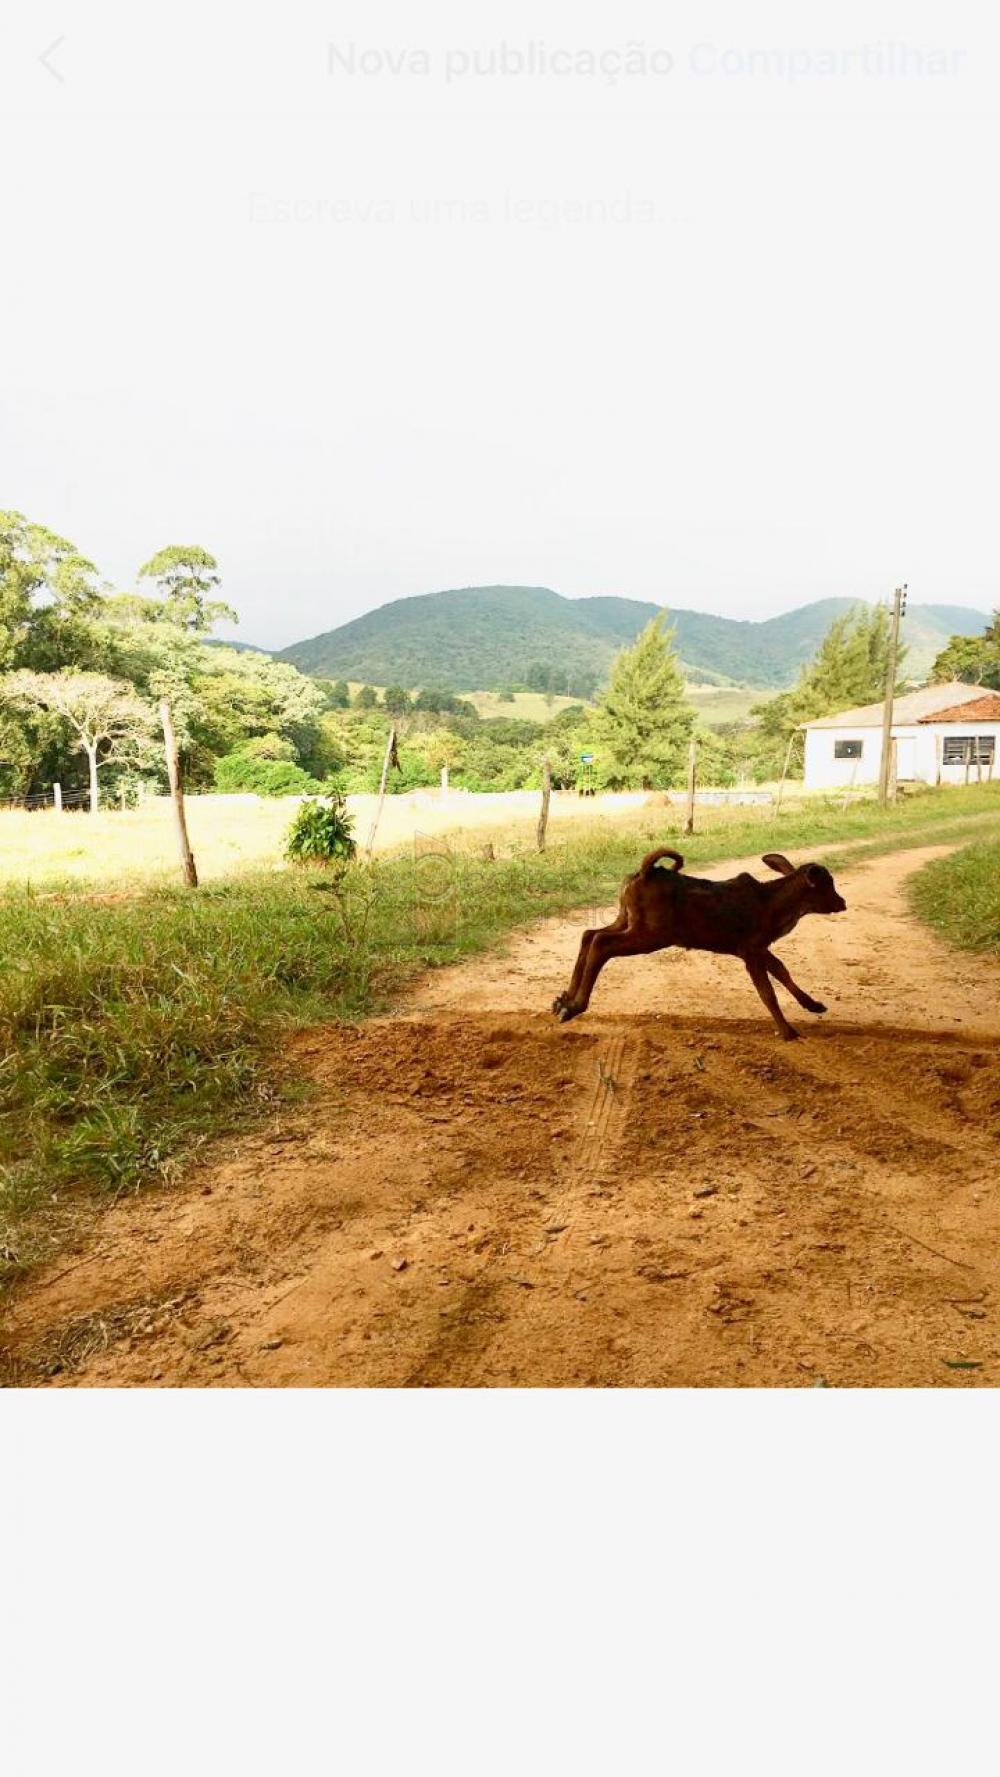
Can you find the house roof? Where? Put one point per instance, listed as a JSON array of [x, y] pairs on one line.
[[932, 703], [985, 708]]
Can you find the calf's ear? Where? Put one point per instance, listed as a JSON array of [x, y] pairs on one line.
[[775, 861]]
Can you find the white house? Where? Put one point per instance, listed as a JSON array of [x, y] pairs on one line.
[[944, 734]]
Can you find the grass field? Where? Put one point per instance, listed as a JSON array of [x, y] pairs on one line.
[[133, 1027], [524, 706], [715, 704], [960, 896]]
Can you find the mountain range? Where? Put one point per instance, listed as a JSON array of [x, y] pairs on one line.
[[479, 637]]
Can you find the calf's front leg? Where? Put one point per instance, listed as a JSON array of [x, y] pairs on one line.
[[776, 967], [757, 971]]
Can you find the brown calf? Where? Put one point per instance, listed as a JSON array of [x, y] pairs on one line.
[[742, 917]]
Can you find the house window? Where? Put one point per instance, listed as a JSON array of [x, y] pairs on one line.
[[971, 749], [847, 749]]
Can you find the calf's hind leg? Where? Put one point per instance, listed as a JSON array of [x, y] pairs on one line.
[[618, 924], [614, 940]]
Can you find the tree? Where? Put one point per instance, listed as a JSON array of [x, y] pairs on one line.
[[644, 719], [239, 694], [396, 699], [583, 683], [268, 746], [338, 696], [444, 751], [973, 659], [847, 670], [34, 560], [366, 698], [185, 575], [110, 721]]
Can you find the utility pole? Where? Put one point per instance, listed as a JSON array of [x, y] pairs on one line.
[[885, 763]]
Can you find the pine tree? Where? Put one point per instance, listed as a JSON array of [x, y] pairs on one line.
[[644, 720], [847, 670]]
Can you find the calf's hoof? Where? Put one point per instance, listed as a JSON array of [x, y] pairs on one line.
[[816, 1006], [568, 1012], [789, 1034], [559, 1002]]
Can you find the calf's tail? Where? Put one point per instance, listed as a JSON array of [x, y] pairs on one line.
[[652, 858]]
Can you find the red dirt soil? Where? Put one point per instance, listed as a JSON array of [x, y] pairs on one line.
[[661, 1193]]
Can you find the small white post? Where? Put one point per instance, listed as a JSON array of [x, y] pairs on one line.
[[57, 798]]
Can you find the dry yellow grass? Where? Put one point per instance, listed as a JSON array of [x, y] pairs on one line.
[[132, 846], [230, 835]]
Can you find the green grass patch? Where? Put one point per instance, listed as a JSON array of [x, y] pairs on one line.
[[132, 1029], [960, 896]]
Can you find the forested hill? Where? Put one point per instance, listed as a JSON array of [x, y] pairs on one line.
[[478, 637]]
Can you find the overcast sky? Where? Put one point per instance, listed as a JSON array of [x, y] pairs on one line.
[[695, 304]]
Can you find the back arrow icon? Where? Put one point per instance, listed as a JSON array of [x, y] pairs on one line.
[[47, 65]]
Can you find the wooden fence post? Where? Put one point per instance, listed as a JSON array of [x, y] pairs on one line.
[[391, 758], [543, 817], [177, 796], [692, 779], [784, 771]]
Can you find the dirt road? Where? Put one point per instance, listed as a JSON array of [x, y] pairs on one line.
[[661, 1193]]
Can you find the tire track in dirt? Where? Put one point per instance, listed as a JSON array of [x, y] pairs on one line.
[[658, 1194]]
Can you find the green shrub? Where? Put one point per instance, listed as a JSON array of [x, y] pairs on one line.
[[240, 771], [321, 833]]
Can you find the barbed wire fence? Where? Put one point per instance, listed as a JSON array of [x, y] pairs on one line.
[[46, 799], [63, 801]]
